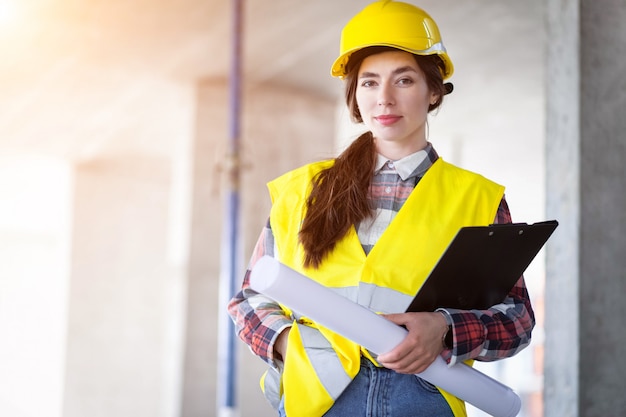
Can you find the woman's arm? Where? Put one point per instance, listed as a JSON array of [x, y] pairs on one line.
[[259, 320], [487, 335], [499, 332]]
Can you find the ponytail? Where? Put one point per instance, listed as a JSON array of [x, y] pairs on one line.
[[338, 200]]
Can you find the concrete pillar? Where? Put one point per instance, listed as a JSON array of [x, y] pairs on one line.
[[124, 312], [281, 130], [34, 279], [586, 184], [199, 370]]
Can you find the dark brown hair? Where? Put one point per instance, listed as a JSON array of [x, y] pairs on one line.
[[338, 198]]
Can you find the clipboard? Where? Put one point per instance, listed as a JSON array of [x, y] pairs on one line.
[[481, 265]]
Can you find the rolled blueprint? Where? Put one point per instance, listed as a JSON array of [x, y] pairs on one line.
[[377, 334]]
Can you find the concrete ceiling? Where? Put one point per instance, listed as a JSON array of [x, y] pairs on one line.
[[79, 77]]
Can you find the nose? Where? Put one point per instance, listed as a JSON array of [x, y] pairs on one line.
[[385, 97]]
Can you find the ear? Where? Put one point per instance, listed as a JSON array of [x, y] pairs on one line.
[[434, 98]]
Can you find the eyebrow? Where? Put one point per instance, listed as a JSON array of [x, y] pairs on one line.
[[397, 71]]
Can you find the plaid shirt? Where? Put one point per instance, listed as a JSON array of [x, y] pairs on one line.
[[486, 335]]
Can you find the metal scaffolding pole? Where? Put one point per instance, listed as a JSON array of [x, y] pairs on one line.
[[230, 248]]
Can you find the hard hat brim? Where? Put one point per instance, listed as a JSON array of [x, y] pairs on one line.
[[338, 69]]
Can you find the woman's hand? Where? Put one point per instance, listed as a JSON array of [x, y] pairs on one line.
[[420, 347]]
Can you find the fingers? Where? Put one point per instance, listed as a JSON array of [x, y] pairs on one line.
[[420, 347], [407, 358]]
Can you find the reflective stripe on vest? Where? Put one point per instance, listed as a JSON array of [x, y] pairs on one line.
[[270, 385], [444, 200], [315, 344]]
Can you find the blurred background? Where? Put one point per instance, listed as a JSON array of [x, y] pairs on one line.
[[114, 132]]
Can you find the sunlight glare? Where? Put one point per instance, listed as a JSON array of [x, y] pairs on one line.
[[8, 11]]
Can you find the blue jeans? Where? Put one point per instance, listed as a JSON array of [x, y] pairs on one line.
[[380, 392]]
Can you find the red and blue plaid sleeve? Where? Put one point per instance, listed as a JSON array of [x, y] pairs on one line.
[[499, 332], [258, 320]]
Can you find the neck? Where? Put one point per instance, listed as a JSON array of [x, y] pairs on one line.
[[396, 151]]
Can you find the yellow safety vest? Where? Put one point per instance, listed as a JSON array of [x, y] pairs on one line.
[[320, 363]]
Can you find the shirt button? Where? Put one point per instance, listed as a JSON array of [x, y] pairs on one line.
[[390, 164], [387, 190]]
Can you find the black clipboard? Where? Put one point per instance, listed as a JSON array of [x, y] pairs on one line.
[[481, 265]]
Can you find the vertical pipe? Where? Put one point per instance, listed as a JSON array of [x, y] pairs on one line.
[[227, 364]]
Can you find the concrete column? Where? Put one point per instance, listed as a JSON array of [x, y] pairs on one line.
[[282, 129], [586, 180], [34, 279], [122, 337], [199, 372]]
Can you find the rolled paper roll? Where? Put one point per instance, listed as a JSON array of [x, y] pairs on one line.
[[377, 334]]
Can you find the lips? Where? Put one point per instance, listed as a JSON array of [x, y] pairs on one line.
[[387, 119]]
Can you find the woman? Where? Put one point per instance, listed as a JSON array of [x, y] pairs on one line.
[[371, 224]]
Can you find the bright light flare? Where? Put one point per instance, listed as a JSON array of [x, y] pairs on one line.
[[8, 12]]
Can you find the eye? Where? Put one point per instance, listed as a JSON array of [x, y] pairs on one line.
[[405, 81], [368, 83]]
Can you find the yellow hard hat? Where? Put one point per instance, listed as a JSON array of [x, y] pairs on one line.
[[395, 24]]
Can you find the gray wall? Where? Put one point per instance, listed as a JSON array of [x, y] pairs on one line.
[[586, 180]]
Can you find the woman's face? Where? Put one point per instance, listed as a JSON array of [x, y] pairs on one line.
[[393, 99]]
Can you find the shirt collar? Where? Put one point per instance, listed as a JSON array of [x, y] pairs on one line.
[[415, 164]]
